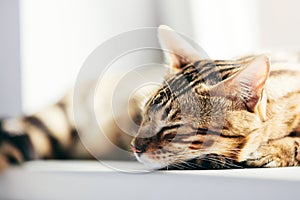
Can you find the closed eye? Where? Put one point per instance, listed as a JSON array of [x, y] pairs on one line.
[[169, 136], [163, 129]]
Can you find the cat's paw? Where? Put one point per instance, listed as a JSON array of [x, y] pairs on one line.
[[273, 154], [262, 158]]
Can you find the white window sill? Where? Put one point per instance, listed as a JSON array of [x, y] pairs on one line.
[[91, 180]]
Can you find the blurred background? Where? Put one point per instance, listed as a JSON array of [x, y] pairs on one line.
[[43, 43]]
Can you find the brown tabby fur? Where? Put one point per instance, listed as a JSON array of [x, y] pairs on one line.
[[256, 122], [206, 114]]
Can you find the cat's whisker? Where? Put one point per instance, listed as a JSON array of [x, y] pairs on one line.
[[178, 165], [192, 165], [229, 165]]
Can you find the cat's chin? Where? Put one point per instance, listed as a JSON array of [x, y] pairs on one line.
[[149, 163]]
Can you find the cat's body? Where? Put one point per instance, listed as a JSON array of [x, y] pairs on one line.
[[243, 110]]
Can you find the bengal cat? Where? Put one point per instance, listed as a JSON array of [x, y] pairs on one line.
[[206, 114]]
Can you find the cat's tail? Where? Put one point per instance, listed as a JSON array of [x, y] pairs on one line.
[[46, 134], [15, 145]]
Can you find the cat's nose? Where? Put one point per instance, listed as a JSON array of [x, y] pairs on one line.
[[137, 149]]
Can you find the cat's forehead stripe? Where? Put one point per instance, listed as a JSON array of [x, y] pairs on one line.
[[192, 75], [201, 73]]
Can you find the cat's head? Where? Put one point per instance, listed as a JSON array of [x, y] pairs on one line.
[[204, 106]]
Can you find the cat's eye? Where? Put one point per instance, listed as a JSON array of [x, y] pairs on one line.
[[169, 136]]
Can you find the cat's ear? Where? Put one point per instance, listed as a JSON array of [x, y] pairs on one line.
[[177, 49], [248, 84]]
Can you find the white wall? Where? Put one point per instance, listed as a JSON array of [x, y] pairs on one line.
[[279, 24], [176, 14], [10, 83], [235, 27], [226, 28], [58, 35]]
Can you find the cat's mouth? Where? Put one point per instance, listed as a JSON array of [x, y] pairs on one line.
[[160, 158], [150, 163], [154, 161]]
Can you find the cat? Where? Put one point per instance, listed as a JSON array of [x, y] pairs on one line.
[[206, 114], [240, 109]]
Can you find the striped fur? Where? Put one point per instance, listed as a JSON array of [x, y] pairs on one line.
[[197, 118], [52, 133], [180, 133], [235, 109]]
